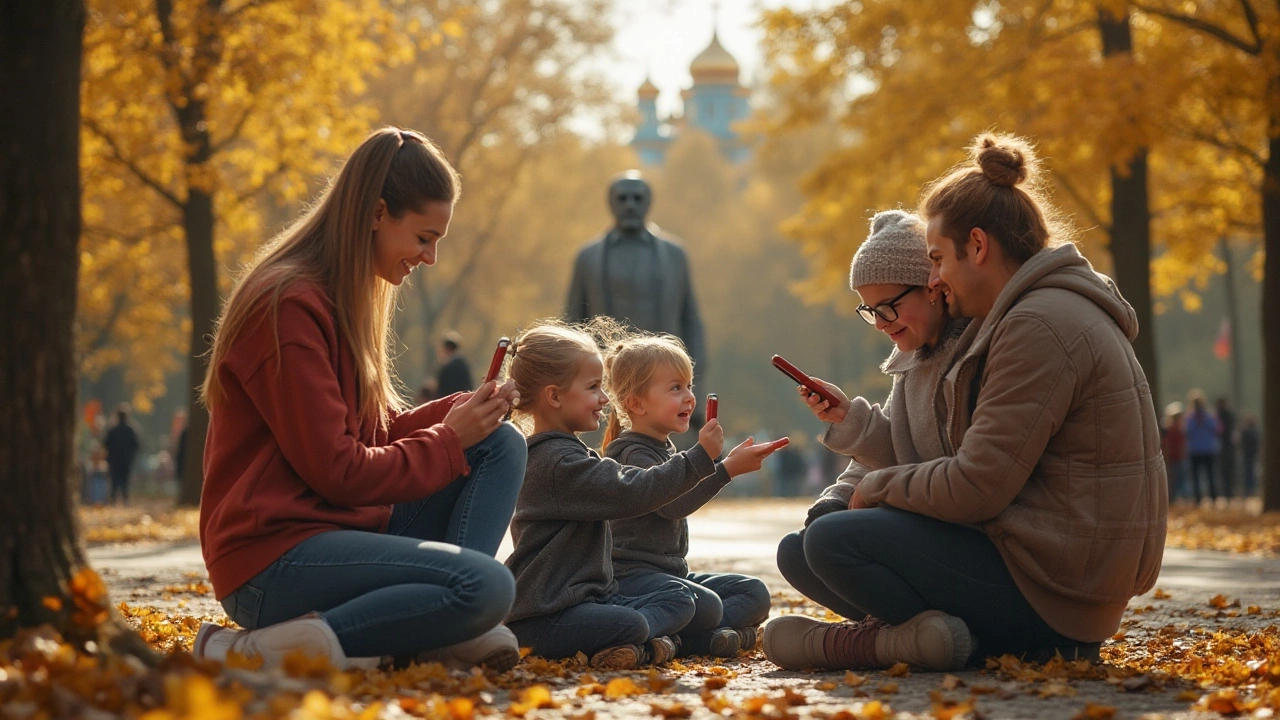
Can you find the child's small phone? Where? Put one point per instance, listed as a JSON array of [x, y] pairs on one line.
[[499, 354], [713, 406], [812, 385]]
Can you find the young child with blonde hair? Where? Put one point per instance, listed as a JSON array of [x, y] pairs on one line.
[[567, 599], [650, 381]]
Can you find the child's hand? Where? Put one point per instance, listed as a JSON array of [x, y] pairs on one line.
[[821, 408], [480, 415], [748, 456], [711, 438]]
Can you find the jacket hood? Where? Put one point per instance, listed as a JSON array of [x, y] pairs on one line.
[[1064, 268]]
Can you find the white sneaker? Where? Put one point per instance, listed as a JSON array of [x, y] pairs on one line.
[[309, 634], [496, 649]]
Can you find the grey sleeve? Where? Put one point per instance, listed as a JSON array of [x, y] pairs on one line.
[[866, 433], [575, 307], [688, 503], [590, 488]]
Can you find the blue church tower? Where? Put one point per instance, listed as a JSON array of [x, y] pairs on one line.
[[714, 102]]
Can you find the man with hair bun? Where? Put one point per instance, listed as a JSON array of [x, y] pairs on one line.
[[1048, 512]]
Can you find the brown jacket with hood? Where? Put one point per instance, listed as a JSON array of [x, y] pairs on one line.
[[1058, 454]]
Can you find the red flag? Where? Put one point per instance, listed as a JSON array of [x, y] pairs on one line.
[[1222, 346]]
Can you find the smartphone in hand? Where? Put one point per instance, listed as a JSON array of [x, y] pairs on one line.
[[499, 354], [713, 406], [801, 378]]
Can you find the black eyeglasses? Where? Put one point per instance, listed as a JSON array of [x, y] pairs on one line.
[[887, 310]]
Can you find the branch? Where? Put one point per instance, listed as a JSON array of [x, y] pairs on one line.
[[1084, 205], [235, 131], [1251, 16], [131, 166], [1208, 28]]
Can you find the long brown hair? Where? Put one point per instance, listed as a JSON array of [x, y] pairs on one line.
[[996, 189], [629, 365], [331, 246]]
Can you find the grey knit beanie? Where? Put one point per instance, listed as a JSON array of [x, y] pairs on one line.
[[893, 254]]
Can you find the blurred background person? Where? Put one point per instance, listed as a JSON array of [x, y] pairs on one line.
[[455, 374], [122, 446], [1203, 444], [1173, 444]]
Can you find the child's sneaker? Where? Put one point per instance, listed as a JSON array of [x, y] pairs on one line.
[[496, 649], [309, 634], [663, 649], [628, 657], [748, 637], [724, 642], [618, 657], [931, 640]]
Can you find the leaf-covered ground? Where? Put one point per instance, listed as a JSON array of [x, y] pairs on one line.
[[1180, 653]]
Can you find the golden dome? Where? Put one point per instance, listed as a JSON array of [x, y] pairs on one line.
[[715, 60], [648, 89]]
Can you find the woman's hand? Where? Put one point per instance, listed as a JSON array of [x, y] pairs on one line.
[[857, 502], [478, 416], [822, 409], [748, 456], [711, 438]]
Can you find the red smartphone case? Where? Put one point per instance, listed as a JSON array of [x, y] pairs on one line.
[[499, 354], [801, 378]]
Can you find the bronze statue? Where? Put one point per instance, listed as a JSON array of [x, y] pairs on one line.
[[638, 276]]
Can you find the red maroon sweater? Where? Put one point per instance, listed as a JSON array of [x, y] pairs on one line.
[[286, 457]]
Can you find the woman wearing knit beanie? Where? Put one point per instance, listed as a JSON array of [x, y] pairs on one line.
[[890, 272]]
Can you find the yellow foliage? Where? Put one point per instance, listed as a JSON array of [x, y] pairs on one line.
[[231, 100], [910, 83]]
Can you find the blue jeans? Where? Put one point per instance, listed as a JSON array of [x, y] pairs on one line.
[[720, 600], [429, 582], [894, 565], [608, 621]]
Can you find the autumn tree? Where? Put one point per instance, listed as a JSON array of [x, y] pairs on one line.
[[42, 567], [1234, 109], [197, 113]]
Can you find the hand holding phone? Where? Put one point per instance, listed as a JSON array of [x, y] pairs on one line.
[[713, 406], [495, 365], [814, 387]]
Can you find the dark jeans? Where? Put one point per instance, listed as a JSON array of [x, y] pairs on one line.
[[429, 582], [720, 600], [1202, 465], [119, 483], [608, 621], [894, 565]]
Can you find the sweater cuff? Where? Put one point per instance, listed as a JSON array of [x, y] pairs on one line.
[[458, 466], [842, 437], [703, 465], [720, 476]]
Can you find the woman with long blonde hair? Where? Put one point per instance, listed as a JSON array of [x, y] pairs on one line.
[[334, 519]]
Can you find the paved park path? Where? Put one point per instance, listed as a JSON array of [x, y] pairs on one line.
[[742, 536]]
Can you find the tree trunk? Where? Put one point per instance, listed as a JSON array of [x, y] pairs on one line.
[[197, 225], [40, 48], [1271, 310], [1131, 222]]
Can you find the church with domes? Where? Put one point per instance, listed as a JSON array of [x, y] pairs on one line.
[[714, 102]]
